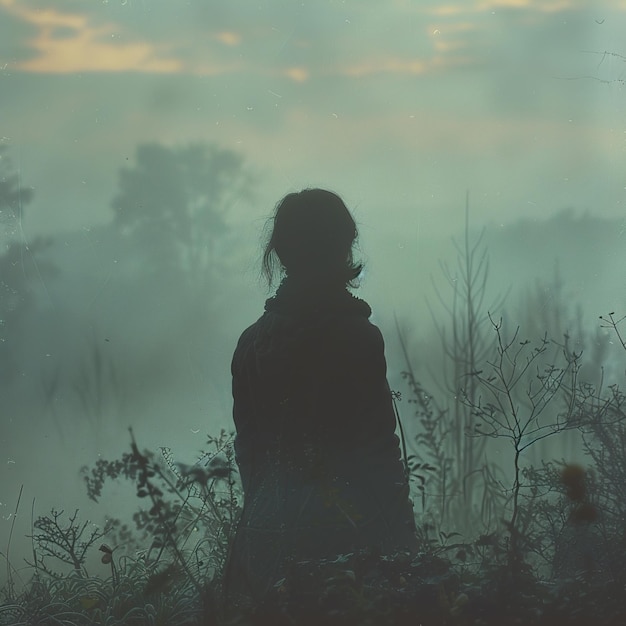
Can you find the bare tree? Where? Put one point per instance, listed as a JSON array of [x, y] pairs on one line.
[[449, 463], [508, 403]]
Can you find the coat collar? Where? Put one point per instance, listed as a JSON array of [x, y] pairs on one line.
[[305, 299]]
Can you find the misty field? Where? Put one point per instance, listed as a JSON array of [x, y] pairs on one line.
[[505, 537]]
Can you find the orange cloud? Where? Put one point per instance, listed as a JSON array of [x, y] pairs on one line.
[[448, 10], [544, 6], [67, 42], [446, 38], [228, 38], [414, 67], [298, 74]]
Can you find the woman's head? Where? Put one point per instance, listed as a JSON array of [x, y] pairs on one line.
[[312, 238]]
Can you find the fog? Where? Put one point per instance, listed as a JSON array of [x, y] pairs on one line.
[[143, 149]]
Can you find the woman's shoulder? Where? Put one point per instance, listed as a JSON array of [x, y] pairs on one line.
[[358, 327], [248, 333], [245, 342]]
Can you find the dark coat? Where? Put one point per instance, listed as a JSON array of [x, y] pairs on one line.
[[316, 449]]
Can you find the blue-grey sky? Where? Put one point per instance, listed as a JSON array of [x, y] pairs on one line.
[[400, 106]]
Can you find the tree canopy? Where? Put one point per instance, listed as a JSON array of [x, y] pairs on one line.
[[172, 203]]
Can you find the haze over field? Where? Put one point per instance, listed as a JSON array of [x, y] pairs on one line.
[[144, 143]]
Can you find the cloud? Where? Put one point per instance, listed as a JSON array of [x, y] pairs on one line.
[[299, 42], [388, 65], [14, 32], [66, 42], [228, 38], [480, 6], [376, 97], [302, 42], [298, 74]]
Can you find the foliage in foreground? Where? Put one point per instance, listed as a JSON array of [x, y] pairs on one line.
[[572, 519]]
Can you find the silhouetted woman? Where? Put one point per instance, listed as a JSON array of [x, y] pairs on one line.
[[317, 454]]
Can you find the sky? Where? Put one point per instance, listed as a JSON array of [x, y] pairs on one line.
[[400, 106], [404, 107]]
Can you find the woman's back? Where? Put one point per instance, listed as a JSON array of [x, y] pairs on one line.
[[318, 457]]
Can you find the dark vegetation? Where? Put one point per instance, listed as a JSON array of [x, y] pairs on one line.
[[504, 540]]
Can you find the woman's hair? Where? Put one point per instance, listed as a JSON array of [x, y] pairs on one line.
[[312, 238]]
